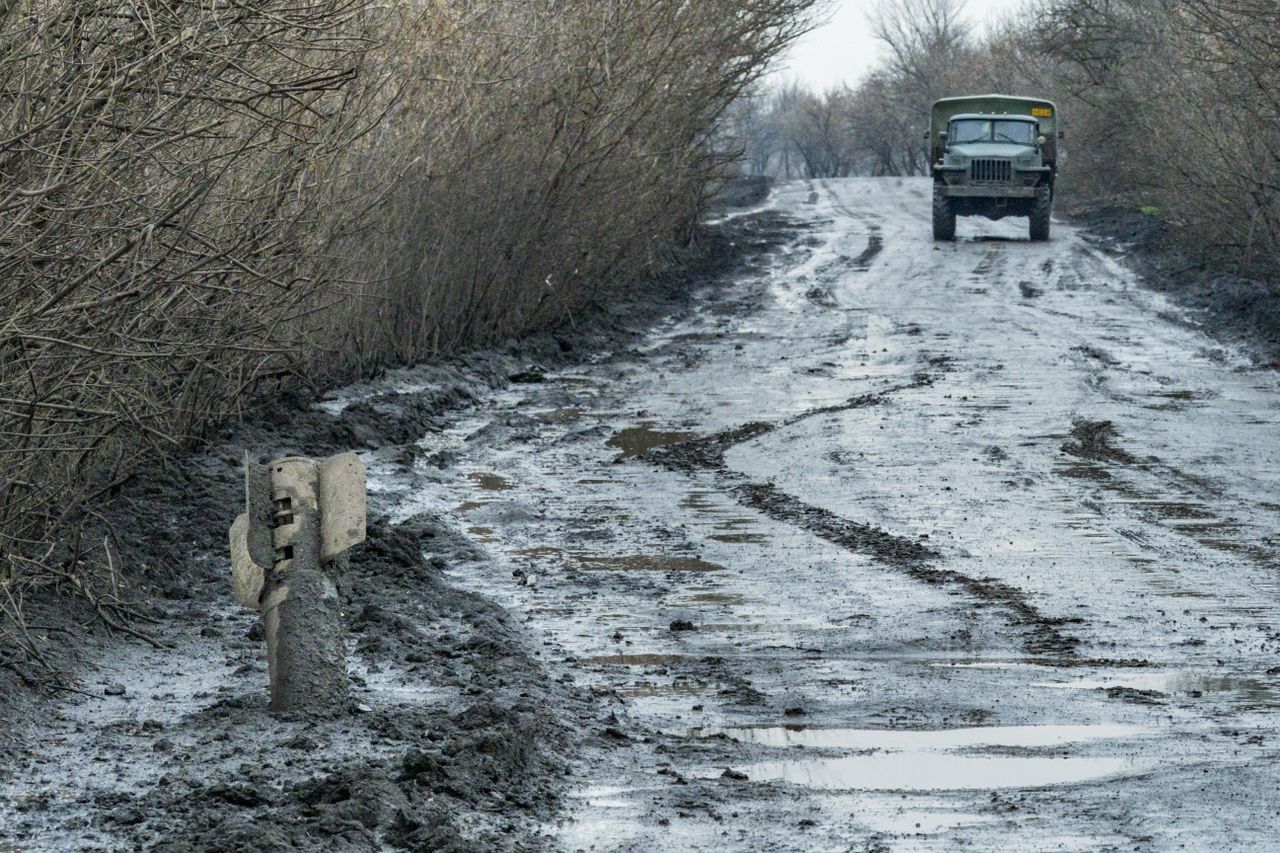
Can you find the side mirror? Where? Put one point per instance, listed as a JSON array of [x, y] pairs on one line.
[[1062, 134], [942, 134], [1040, 140]]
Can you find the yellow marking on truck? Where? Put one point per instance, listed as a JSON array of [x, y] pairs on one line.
[[1044, 112]]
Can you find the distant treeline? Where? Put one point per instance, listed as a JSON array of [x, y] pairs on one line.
[[1172, 104], [206, 202]]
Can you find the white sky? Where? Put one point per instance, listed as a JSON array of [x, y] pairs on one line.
[[844, 49]]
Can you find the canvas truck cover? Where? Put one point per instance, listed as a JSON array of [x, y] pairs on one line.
[[1045, 112]]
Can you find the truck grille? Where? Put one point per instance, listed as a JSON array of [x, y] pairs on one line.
[[991, 171]]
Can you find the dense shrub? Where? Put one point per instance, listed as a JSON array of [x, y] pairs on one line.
[[201, 202]]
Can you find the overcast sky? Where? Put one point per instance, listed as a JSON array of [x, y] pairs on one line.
[[844, 49]]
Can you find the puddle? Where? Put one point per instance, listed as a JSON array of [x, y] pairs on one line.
[[936, 760], [737, 523], [928, 771], [941, 739], [1173, 683], [469, 506], [480, 531], [637, 441], [740, 538], [490, 482], [766, 627], [988, 664], [720, 598], [646, 563], [543, 551], [633, 660], [624, 563]]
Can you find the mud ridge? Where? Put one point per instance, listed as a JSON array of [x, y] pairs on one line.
[[850, 535], [875, 245], [1093, 440], [707, 453], [1042, 635]]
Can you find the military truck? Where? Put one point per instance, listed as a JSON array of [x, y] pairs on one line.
[[993, 156]]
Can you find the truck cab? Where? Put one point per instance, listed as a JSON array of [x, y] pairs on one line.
[[993, 156]]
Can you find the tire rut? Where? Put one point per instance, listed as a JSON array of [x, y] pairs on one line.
[[875, 240], [1043, 636]]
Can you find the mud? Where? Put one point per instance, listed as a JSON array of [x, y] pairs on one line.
[[450, 742], [1095, 440], [951, 490], [922, 548], [1234, 308], [456, 736], [1045, 636]]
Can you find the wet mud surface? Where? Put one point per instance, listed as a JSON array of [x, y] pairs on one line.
[[896, 546], [875, 545], [456, 736], [1232, 307]]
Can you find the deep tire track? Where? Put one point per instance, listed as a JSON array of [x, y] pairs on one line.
[[1042, 636]]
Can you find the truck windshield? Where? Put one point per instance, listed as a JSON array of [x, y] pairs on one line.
[[991, 130]]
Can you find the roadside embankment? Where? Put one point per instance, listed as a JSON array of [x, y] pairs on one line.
[[1230, 306]]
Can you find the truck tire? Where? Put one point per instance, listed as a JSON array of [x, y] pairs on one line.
[[1040, 215], [944, 217]]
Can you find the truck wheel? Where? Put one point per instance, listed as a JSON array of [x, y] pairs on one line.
[[944, 217], [1040, 214]]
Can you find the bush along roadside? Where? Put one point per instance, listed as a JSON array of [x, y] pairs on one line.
[[213, 207]]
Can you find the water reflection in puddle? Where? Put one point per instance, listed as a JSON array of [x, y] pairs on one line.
[[929, 771], [937, 760]]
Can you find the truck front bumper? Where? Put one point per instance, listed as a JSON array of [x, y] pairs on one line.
[[973, 191]]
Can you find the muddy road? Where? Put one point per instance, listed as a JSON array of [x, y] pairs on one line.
[[874, 545], [895, 545]]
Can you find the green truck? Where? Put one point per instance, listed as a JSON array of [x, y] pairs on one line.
[[993, 156]]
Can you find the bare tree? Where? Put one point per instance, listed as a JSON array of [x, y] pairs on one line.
[[925, 38]]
